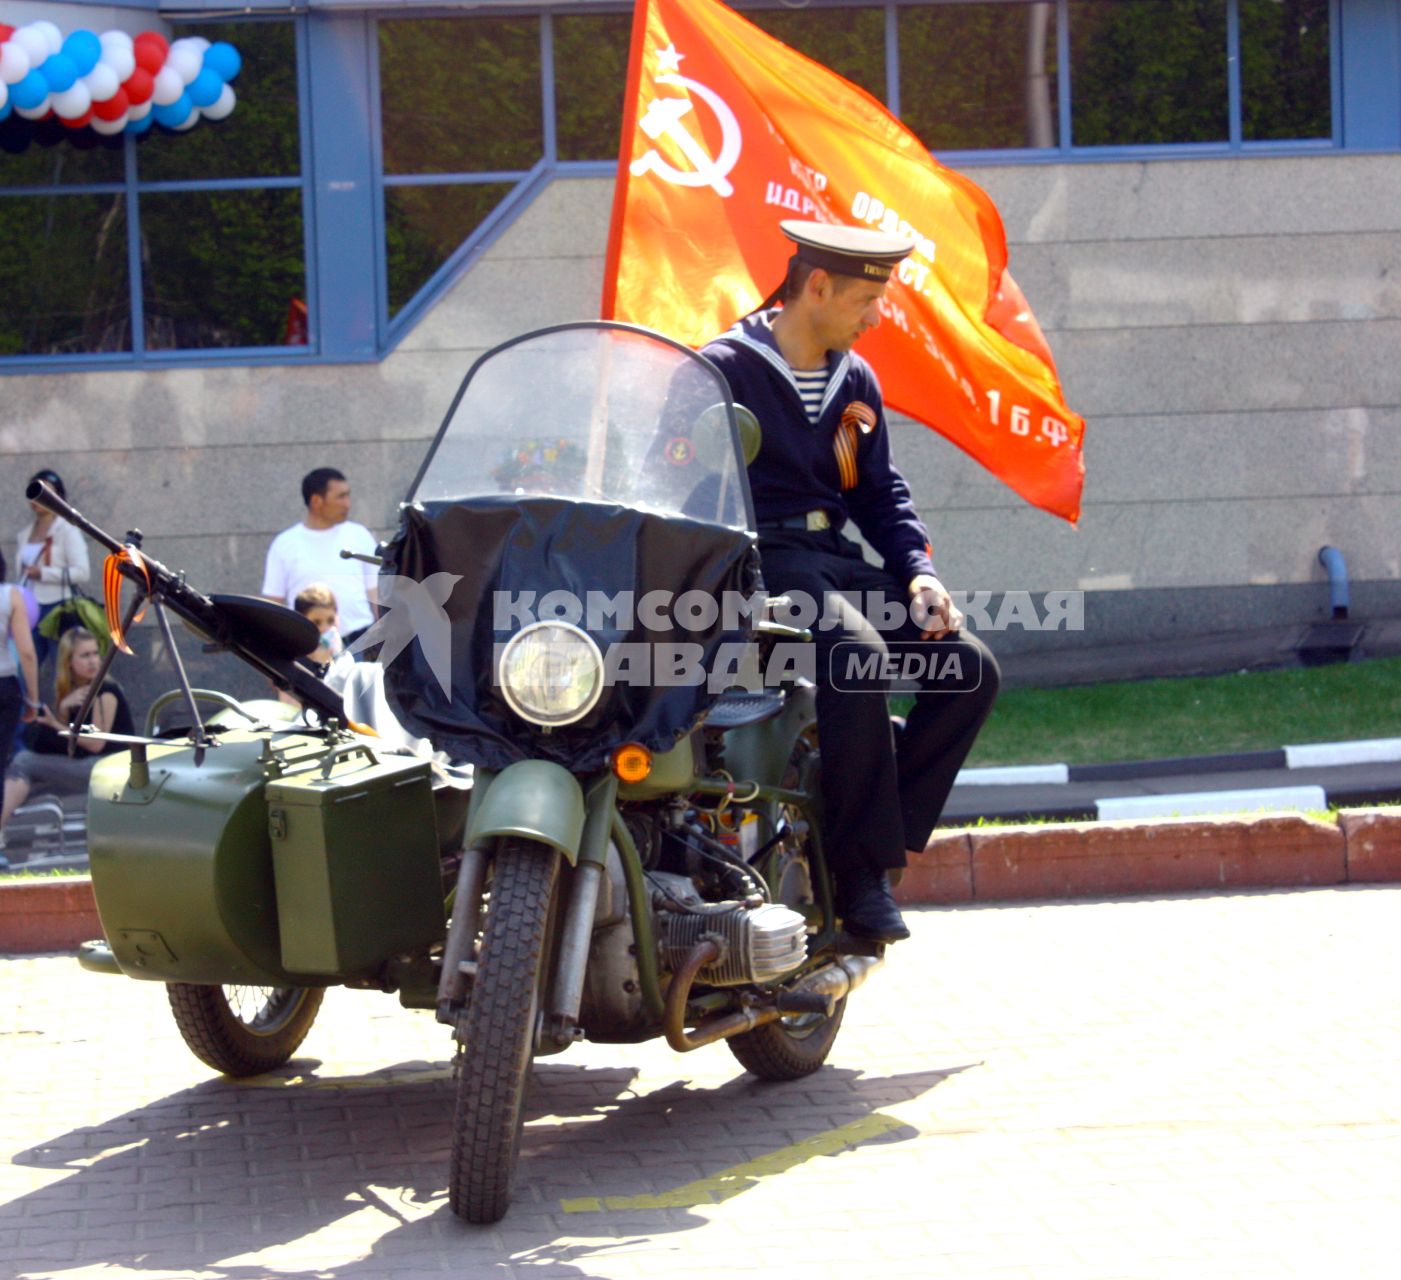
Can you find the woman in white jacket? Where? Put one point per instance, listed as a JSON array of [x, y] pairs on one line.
[[50, 551]]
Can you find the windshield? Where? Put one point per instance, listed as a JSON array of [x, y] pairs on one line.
[[596, 412]]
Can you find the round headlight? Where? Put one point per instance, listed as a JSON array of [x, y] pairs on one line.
[[551, 673]]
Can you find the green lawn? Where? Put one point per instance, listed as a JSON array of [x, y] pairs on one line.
[[1149, 719]]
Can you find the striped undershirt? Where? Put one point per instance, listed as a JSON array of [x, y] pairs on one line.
[[812, 386]]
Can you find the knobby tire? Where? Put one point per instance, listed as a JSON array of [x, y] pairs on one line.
[[225, 1038], [499, 1040]]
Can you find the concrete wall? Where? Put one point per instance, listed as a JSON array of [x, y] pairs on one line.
[[1231, 330]]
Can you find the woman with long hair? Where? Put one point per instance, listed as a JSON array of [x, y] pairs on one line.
[[19, 670], [45, 764], [52, 553]]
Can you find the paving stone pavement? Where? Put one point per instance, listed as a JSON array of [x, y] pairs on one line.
[[1198, 1086]]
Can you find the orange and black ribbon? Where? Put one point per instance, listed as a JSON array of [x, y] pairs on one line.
[[857, 420], [112, 592]]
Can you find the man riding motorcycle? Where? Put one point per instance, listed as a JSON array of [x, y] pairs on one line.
[[826, 460]]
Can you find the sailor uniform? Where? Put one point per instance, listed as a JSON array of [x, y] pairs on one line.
[[808, 481]]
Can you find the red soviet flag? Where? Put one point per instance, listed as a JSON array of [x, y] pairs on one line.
[[727, 131]]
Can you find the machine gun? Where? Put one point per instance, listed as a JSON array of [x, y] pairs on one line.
[[269, 637]]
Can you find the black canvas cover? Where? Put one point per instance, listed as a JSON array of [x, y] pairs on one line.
[[512, 550]]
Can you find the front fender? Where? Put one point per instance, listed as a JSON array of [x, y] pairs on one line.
[[534, 799]]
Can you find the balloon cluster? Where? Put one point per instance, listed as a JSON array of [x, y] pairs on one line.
[[114, 82]]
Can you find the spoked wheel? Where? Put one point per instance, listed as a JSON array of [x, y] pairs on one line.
[[499, 1040], [792, 1047], [243, 1031]]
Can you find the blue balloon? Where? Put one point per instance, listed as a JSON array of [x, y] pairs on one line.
[[205, 88], [173, 113], [223, 60], [140, 126], [84, 49], [60, 71], [29, 92]]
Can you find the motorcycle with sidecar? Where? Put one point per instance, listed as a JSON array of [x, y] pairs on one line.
[[573, 607]]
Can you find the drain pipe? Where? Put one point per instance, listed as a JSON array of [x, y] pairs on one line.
[[1332, 560]]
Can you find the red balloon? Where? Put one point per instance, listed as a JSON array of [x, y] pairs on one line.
[[114, 108], [77, 122], [150, 49], [139, 86], [5, 32]]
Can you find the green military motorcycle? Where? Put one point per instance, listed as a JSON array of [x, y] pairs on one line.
[[573, 607]]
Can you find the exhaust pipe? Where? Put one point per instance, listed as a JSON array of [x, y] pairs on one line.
[[826, 986]]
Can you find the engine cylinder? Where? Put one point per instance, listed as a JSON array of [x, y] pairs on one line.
[[759, 944]]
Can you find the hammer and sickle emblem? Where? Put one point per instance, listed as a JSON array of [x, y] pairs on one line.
[[663, 119]]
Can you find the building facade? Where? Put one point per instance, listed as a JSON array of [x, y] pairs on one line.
[[1202, 200]]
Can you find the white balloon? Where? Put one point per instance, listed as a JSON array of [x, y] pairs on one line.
[[222, 105], [34, 113], [71, 103], [139, 110], [115, 39], [102, 82], [108, 127], [52, 35], [184, 60], [14, 62], [168, 86], [189, 121], [33, 42], [121, 59], [4, 94]]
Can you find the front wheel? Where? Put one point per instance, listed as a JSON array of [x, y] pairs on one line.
[[499, 1038], [243, 1031]]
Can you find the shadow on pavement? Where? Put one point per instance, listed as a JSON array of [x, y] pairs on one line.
[[200, 1182]]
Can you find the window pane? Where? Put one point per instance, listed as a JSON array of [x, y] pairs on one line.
[[979, 76], [460, 95], [260, 138], [1148, 71], [424, 226], [63, 275], [222, 268], [849, 41], [591, 71], [1285, 82], [42, 153]]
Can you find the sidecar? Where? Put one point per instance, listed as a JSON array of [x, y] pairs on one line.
[[284, 858]]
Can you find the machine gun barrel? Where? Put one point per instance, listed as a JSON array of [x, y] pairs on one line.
[[202, 613]]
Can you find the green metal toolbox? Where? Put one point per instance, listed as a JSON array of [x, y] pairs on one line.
[[355, 861]]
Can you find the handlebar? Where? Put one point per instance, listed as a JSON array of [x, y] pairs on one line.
[[203, 614]]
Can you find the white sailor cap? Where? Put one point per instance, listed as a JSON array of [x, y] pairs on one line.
[[849, 251]]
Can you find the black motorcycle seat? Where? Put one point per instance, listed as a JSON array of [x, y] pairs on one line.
[[736, 708]]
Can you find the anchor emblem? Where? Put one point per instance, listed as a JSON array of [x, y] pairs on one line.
[[663, 118]]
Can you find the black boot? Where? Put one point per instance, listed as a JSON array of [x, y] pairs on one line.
[[867, 907]]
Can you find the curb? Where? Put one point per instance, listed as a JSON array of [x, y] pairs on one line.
[[997, 864], [53, 914], [1312, 755], [1172, 855]]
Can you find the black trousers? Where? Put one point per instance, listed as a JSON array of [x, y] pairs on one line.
[[883, 789]]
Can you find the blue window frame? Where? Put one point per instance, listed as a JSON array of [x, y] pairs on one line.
[[350, 197], [181, 205]]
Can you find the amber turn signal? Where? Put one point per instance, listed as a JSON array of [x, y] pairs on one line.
[[632, 762]]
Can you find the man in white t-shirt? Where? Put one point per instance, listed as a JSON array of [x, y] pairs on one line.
[[311, 552]]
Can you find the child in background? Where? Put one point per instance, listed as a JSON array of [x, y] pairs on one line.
[[330, 659]]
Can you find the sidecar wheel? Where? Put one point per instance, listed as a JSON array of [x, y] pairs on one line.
[[499, 1038], [789, 1048], [243, 1031]]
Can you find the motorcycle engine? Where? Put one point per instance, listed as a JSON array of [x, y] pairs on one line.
[[757, 944]]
